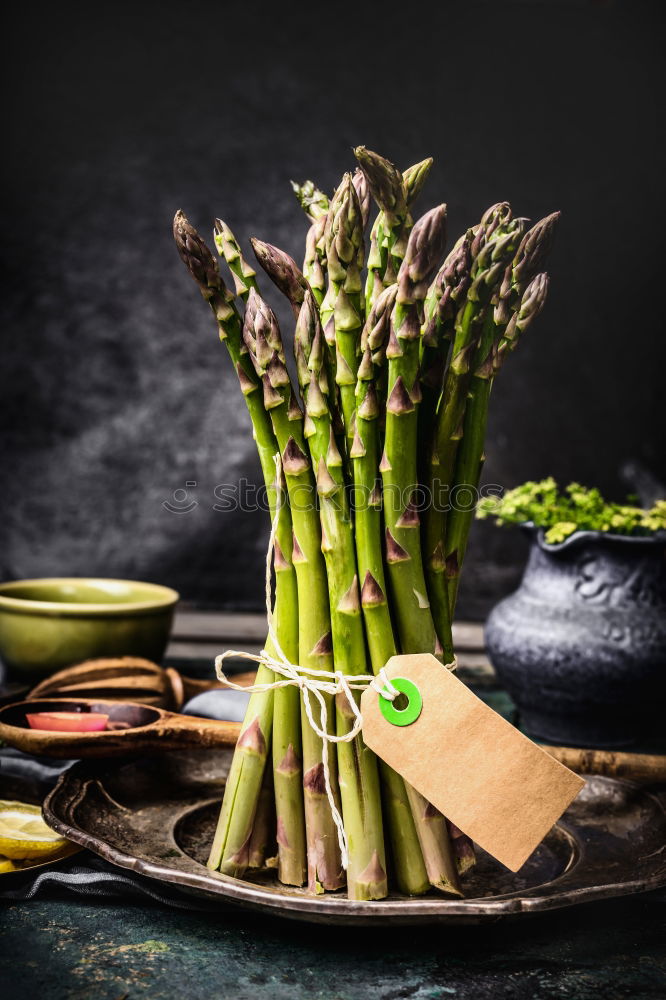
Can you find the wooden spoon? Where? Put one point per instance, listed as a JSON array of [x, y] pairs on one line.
[[141, 728], [129, 678], [646, 768], [133, 728]]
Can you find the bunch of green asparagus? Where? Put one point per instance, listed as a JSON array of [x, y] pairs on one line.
[[381, 449]]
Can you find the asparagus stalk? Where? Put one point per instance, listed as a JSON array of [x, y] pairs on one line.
[[283, 271], [365, 455], [287, 740], [391, 227], [204, 269], [531, 304], [433, 833], [362, 189], [262, 338], [313, 201], [315, 259], [230, 849], [500, 333], [314, 268], [399, 470], [291, 281], [462, 848], [530, 256], [398, 466], [470, 456], [262, 839], [342, 307], [493, 244], [414, 178], [316, 206], [421, 857], [357, 765], [245, 277], [437, 332], [287, 748], [394, 193]]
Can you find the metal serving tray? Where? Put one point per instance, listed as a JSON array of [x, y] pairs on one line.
[[156, 816]]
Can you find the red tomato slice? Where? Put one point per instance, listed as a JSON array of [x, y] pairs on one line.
[[68, 722]]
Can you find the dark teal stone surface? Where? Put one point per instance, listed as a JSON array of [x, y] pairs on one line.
[[63, 950]]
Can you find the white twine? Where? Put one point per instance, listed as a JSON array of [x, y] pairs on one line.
[[309, 681]]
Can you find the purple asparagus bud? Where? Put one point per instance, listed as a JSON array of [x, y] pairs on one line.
[[283, 271], [385, 181], [425, 250], [362, 188], [196, 256]]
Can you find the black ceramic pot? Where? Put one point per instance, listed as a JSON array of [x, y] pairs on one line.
[[581, 645]]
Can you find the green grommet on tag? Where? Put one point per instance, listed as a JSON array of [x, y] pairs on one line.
[[410, 713]]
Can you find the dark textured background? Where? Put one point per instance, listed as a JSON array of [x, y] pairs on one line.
[[115, 392]]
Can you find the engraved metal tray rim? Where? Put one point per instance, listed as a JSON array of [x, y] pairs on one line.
[[188, 875]]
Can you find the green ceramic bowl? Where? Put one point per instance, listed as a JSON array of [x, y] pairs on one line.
[[49, 624]]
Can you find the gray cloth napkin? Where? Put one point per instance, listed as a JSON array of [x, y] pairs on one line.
[[89, 876], [218, 704], [23, 776]]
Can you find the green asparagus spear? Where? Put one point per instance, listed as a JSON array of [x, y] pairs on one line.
[[357, 766], [262, 844], [500, 330], [230, 850], [388, 238], [367, 493], [228, 247], [494, 244], [313, 201], [394, 193], [414, 178], [286, 743], [362, 188], [399, 464], [470, 454], [283, 271], [420, 850], [342, 307], [263, 341], [314, 265], [437, 332], [532, 252]]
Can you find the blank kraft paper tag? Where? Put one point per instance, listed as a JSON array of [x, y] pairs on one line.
[[497, 786]]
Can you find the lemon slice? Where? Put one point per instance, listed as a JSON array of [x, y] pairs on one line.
[[24, 834]]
